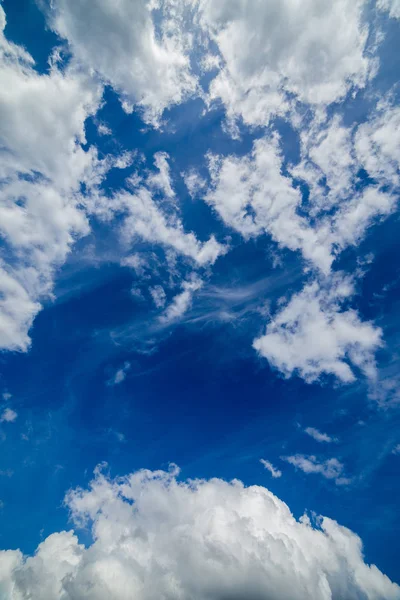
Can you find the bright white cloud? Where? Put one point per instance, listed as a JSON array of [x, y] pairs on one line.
[[252, 195], [319, 436], [144, 57], [312, 51], [276, 473], [155, 536], [161, 179], [42, 167], [312, 335], [331, 468], [8, 416], [182, 301], [377, 144]]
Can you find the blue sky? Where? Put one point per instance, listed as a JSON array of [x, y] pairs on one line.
[[199, 267]]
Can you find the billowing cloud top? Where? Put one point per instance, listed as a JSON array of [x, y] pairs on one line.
[[155, 536]]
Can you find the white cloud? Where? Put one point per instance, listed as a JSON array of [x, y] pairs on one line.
[[194, 182], [312, 336], [162, 178], [391, 6], [276, 473], [42, 167], [8, 416], [142, 55], [155, 536], [311, 51], [146, 220], [319, 436], [158, 295], [396, 449], [252, 195], [182, 301], [377, 144], [331, 468]]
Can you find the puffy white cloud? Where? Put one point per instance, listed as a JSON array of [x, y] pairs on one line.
[[182, 301], [252, 195], [328, 163], [312, 51], [276, 473], [42, 167], [8, 416], [377, 144], [319, 436], [142, 55], [312, 335], [146, 220], [155, 536], [331, 468], [391, 6]]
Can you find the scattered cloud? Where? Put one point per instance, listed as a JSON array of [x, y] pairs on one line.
[[120, 374], [331, 468], [293, 52], [182, 301], [253, 196], [8, 416], [312, 336], [319, 436], [276, 473], [158, 295], [145, 58]]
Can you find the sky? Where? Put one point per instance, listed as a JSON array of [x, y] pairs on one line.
[[199, 299]]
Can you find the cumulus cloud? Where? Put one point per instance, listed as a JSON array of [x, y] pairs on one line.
[[331, 468], [144, 57], [155, 536], [319, 436], [8, 416], [144, 215], [252, 195], [308, 51], [276, 473], [42, 168], [377, 144], [312, 335]]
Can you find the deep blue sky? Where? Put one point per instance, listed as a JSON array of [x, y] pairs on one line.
[[196, 393]]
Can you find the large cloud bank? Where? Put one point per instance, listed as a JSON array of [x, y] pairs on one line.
[[157, 537]]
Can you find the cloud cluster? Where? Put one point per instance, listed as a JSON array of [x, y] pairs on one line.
[[312, 335], [42, 168], [143, 54], [307, 52], [157, 537], [331, 468]]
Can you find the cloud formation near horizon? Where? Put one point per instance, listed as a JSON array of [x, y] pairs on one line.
[[157, 536]]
